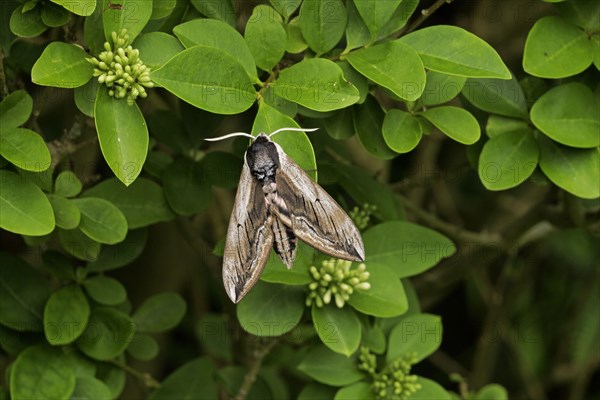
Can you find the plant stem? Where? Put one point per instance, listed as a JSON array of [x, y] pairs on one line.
[[425, 13], [252, 373], [145, 377], [3, 86]]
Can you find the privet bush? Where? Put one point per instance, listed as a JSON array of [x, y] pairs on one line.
[[110, 171]]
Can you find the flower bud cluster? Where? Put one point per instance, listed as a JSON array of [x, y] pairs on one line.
[[120, 68], [362, 216], [395, 381], [336, 280]]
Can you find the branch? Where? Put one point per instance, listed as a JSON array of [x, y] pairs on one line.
[[252, 373], [145, 377], [425, 13]]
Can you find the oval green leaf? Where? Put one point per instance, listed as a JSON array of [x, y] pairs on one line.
[[325, 366], [101, 220], [62, 65], [190, 381], [26, 24], [89, 388], [457, 123], [107, 334], [121, 254], [575, 170], [105, 290], [569, 114], [41, 373], [66, 315], [402, 131], [78, 244], [368, 125], [317, 84], [497, 96], [15, 109], [67, 184], [83, 7], [393, 65], [123, 136], [156, 48], [556, 49], [360, 390], [142, 203], [385, 298], [455, 51], [66, 213], [419, 333], [160, 313], [218, 82], [430, 390], [133, 15], [323, 23], [219, 35], [441, 88], [338, 328], [25, 149], [271, 309], [265, 36], [406, 248], [24, 209], [143, 347], [186, 186]]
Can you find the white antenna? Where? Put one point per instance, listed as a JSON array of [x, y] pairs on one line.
[[292, 129], [253, 137]]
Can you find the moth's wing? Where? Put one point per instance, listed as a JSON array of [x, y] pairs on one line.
[[313, 215], [249, 238]]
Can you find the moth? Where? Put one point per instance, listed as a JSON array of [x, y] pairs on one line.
[[277, 203]]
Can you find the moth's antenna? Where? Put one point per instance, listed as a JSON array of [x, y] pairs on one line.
[[292, 129], [230, 135]]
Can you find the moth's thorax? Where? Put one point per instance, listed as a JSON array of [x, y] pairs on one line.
[[263, 160]]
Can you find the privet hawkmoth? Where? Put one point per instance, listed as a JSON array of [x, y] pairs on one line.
[[277, 202]]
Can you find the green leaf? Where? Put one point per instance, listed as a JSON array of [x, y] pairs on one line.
[[556, 49], [271, 309], [457, 123], [66, 213], [222, 169], [209, 332], [569, 115], [317, 84], [498, 96], [83, 8], [359, 390], [105, 290], [295, 144], [142, 203], [374, 338], [143, 347], [575, 170], [453, 50], [325, 366], [107, 334], [15, 109], [217, 35], [386, 296], [156, 48], [162, 8], [508, 160], [285, 7], [123, 136], [407, 248], [133, 15], [78, 244], [23, 293], [113, 377], [357, 32], [62, 65], [402, 131], [295, 42], [54, 16], [67, 184], [121, 254], [101, 220], [399, 19], [491, 392], [316, 391], [58, 264], [24, 148], [368, 125], [66, 315], [85, 97], [393, 65], [265, 36], [582, 13], [217, 9], [419, 333], [338, 328], [340, 126], [160, 313], [497, 125], [441, 88], [430, 390], [276, 272], [24, 209], [169, 129], [218, 83], [13, 342], [27, 24], [376, 14], [189, 382], [186, 188], [90, 388], [323, 23], [357, 79], [41, 373]]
